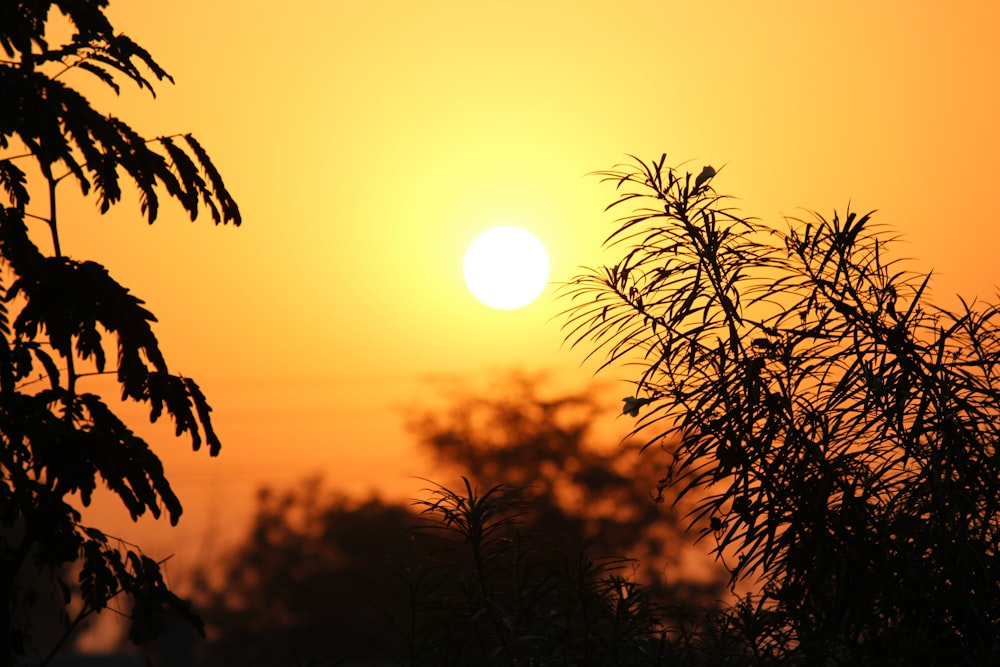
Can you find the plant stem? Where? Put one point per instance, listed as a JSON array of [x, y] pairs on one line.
[[56, 250]]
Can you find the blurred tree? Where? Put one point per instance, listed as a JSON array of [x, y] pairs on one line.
[[57, 439], [578, 486], [322, 573], [310, 580], [840, 431]]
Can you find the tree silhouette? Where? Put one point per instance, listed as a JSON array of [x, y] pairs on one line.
[[326, 578], [577, 485], [321, 573], [312, 579], [57, 312], [838, 429]]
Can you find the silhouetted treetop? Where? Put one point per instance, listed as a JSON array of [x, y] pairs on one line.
[[60, 128], [63, 320]]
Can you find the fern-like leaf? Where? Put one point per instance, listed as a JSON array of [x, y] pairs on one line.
[[14, 183]]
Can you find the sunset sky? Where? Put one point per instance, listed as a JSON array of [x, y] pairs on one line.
[[368, 143]]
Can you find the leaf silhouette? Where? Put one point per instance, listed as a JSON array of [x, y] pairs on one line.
[[14, 183], [60, 313]]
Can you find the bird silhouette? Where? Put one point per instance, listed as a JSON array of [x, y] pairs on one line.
[[632, 405], [706, 173]]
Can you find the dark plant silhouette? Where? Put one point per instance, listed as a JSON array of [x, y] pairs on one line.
[[322, 574], [837, 429], [579, 486], [311, 580], [491, 594], [57, 313]]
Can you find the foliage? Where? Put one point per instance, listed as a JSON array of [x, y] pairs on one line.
[[838, 429], [323, 573], [492, 595], [57, 312], [307, 580], [580, 486]]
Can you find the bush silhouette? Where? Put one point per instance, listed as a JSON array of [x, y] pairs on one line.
[[491, 594], [838, 429]]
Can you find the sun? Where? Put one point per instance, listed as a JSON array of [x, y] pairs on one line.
[[506, 268]]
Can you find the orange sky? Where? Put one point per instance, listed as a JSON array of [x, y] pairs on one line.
[[368, 143]]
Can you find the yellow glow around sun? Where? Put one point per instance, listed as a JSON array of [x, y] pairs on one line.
[[506, 268]]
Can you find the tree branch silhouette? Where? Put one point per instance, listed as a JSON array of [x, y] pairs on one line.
[[57, 442]]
